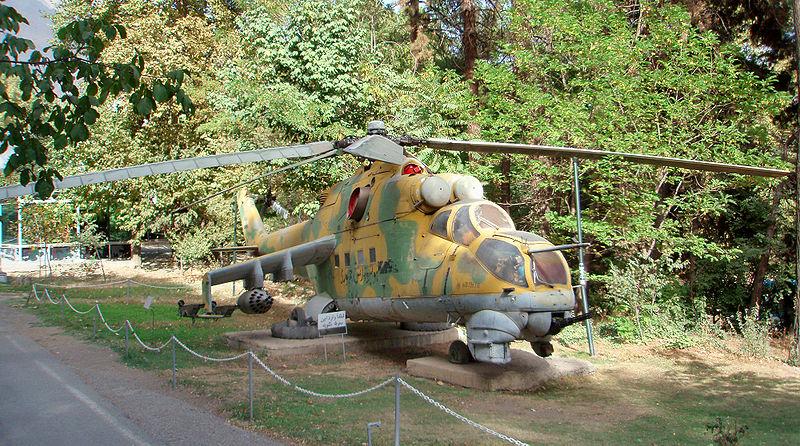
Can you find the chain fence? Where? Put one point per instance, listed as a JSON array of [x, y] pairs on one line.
[[173, 341], [111, 284]]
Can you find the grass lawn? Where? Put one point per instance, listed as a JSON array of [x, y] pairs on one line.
[[639, 394]]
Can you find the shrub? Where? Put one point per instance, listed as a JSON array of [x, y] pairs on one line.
[[726, 432], [755, 336], [647, 306]]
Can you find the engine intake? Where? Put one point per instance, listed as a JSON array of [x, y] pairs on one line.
[[254, 301]]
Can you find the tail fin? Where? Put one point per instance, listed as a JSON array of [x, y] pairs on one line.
[[252, 225]]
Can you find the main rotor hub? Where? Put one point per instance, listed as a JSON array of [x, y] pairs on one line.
[[376, 128]]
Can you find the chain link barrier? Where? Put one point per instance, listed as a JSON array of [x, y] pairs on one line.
[[35, 293], [111, 284], [458, 416], [208, 358], [147, 347], [47, 293], [66, 301], [160, 287], [96, 285], [142, 343], [103, 319], [280, 378], [317, 394]]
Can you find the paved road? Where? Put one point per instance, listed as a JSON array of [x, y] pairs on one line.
[[43, 402], [69, 392]]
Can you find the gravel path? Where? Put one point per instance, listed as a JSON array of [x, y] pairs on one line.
[[56, 387]]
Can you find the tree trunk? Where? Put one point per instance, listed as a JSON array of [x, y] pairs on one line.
[[136, 253], [505, 186], [469, 42], [412, 9], [763, 263]]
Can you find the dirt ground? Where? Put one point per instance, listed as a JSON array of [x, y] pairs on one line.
[[640, 393]]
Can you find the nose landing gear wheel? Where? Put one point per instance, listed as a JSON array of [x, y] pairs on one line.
[[459, 353], [543, 349]]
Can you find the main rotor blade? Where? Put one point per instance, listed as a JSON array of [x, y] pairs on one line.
[[254, 179], [573, 152], [179, 165]]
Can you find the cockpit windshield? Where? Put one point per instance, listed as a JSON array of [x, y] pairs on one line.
[[470, 221], [548, 268], [463, 230], [504, 260], [490, 216], [439, 225]]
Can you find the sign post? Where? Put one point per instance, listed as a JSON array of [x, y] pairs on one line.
[[331, 324], [148, 305]]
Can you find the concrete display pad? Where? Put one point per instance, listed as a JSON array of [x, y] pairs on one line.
[[367, 336], [525, 371]]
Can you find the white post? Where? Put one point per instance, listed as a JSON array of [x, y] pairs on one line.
[[250, 383], [19, 229], [78, 228], [397, 410]]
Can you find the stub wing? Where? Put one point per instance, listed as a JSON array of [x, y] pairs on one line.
[[280, 264]]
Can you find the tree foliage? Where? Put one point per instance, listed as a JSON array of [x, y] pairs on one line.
[[705, 80], [51, 97]]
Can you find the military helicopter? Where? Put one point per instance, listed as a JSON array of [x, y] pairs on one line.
[[397, 242]]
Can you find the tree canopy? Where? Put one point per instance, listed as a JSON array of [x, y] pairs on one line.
[[708, 80]]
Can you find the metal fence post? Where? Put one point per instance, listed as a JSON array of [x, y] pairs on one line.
[[127, 342], [94, 322], [369, 431], [174, 365], [128, 290], [62, 309], [250, 383], [581, 265], [397, 410]]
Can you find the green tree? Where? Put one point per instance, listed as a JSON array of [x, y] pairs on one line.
[[583, 74], [50, 97]]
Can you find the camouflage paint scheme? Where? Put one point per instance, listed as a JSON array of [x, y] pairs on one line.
[[389, 266]]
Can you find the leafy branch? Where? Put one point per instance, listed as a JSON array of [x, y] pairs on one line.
[[58, 91]]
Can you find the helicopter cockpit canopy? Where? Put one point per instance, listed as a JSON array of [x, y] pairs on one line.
[[469, 221], [503, 251]]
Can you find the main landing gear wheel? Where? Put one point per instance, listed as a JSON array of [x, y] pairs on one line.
[[425, 326], [298, 326], [459, 353], [543, 349]]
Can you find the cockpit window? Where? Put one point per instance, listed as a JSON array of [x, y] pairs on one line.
[[492, 217], [504, 261], [463, 230], [439, 225], [547, 268], [528, 237]]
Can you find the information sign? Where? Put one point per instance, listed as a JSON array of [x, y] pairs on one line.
[[332, 323]]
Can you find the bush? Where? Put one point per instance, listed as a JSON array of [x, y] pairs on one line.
[[726, 432], [755, 336], [194, 247], [646, 305]]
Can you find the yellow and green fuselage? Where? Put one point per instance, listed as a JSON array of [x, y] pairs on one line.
[[399, 257]]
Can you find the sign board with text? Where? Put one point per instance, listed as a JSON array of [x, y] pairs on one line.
[[332, 323]]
